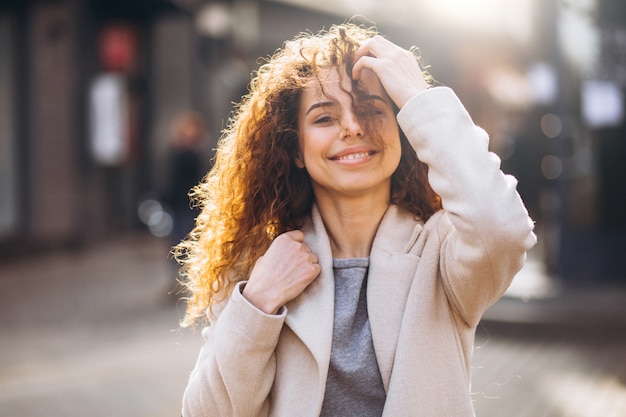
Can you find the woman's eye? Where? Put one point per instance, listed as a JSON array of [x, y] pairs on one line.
[[369, 111], [323, 120]]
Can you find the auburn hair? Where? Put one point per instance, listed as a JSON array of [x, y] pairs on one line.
[[254, 190]]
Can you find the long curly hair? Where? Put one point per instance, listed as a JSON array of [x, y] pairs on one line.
[[255, 191]]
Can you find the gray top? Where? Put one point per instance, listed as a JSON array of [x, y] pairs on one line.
[[354, 386]]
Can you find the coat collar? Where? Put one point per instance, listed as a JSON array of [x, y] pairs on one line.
[[392, 269], [310, 316]]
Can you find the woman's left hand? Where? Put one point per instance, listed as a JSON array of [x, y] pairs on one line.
[[396, 68]]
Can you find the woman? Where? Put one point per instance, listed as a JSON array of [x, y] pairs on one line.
[[343, 276]]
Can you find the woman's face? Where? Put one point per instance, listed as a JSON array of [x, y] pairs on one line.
[[349, 144]]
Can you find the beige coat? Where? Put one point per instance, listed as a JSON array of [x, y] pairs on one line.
[[428, 285]]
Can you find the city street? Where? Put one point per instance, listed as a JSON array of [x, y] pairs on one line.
[[93, 333], [111, 110]]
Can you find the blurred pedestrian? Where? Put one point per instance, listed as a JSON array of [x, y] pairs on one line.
[[185, 169], [353, 230]]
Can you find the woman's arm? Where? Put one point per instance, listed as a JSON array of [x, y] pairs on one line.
[[236, 366], [486, 230]]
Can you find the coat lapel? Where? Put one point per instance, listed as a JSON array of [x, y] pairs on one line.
[[391, 273], [310, 316]]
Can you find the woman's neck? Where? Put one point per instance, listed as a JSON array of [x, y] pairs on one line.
[[352, 224]]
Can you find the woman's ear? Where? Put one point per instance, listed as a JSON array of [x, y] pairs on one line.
[[299, 160]]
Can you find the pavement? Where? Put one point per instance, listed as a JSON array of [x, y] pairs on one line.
[[93, 332]]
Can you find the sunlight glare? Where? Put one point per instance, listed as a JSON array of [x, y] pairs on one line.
[[514, 18], [569, 393]]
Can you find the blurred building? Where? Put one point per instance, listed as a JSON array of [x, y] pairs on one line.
[[88, 89]]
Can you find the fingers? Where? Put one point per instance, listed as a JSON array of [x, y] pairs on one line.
[[296, 235], [365, 57], [364, 63], [373, 47], [282, 273], [396, 68]]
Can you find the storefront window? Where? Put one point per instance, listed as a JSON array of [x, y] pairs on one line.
[[8, 139]]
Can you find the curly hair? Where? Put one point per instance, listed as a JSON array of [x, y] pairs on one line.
[[254, 190]]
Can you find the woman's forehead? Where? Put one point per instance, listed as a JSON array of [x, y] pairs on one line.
[[333, 82]]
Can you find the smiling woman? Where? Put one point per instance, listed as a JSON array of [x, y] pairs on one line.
[[349, 141], [353, 230]]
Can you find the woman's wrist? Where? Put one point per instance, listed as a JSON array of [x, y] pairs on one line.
[[259, 301]]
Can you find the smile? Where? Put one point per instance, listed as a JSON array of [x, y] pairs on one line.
[[353, 156]]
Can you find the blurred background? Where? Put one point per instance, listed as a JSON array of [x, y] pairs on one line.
[[89, 90], [107, 107]]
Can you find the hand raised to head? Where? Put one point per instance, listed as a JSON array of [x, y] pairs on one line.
[[396, 68]]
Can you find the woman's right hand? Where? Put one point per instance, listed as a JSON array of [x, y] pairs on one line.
[[397, 69], [282, 273]]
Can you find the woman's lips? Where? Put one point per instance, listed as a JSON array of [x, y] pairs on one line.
[[353, 156]]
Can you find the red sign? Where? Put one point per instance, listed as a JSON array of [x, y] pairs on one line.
[[118, 47]]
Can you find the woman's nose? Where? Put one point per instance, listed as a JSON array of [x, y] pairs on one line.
[[352, 125]]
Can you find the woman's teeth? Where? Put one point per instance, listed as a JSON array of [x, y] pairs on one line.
[[354, 156]]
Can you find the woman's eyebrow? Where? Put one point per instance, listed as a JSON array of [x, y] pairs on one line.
[[370, 97], [329, 103], [318, 105]]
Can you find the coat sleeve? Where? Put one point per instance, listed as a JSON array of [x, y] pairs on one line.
[[236, 366], [485, 229]]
